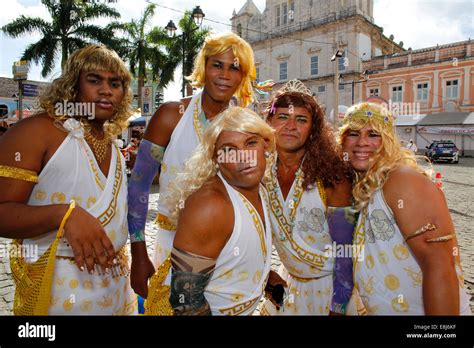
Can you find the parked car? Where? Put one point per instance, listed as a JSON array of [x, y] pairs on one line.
[[443, 150]]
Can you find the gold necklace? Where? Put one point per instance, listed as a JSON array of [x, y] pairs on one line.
[[98, 146]]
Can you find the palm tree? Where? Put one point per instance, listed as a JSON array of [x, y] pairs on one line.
[[143, 49], [154, 51], [67, 32], [163, 64]]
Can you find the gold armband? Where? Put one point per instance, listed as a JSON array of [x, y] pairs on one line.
[[164, 223], [424, 229], [18, 173], [440, 239]]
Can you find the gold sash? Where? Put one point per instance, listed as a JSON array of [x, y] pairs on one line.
[[157, 302], [34, 280]]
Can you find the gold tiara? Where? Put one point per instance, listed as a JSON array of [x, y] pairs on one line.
[[295, 86], [369, 112]]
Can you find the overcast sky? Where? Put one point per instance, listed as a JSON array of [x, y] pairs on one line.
[[418, 23]]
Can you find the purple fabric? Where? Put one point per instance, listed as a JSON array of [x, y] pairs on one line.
[[341, 228], [144, 171]]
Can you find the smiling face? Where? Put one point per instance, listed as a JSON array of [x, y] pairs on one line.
[[241, 158], [223, 76], [292, 126], [104, 89], [361, 145]]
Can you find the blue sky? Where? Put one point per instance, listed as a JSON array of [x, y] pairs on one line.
[[418, 23]]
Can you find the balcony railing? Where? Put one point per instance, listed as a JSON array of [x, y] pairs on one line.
[[286, 29], [420, 57]]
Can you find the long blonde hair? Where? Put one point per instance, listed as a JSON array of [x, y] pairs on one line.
[[389, 156], [221, 43], [65, 88], [202, 166]]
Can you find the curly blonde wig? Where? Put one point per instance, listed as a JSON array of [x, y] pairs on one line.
[[221, 43], [388, 157], [65, 88], [202, 164]]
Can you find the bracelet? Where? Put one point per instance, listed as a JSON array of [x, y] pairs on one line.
[[425, 228], [440, 239], [72, 205]]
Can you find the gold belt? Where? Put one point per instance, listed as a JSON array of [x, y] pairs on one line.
[[164, 223]]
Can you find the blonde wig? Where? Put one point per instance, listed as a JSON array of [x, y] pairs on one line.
[[203, 165], [388, 157], [65, 88], [221, 43]]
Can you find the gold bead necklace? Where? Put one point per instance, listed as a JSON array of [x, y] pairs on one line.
[[98, 146]]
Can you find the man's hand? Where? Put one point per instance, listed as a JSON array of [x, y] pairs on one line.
[[274, 279], [142, 269], [88, 241]]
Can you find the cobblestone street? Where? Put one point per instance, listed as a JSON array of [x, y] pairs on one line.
[[458, 185]]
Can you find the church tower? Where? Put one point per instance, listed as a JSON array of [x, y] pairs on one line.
[[297, 38]]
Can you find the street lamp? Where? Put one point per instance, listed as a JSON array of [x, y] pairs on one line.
[[198, 17], [171, 29], [338, 54], [365, 77]]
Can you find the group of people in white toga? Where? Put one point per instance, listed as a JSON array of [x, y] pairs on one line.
[[359, 227]]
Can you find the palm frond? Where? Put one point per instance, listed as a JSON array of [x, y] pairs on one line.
[[38, 51], [98, 10], [92, 32], [24, 25], [147, 15]]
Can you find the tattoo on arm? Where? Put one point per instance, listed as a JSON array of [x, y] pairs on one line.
[[190, 275]]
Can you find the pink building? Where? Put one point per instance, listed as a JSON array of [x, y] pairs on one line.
[[430, 90]]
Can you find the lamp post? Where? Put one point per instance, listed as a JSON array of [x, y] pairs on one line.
[[198, 17], [335, 58], [365, 77]]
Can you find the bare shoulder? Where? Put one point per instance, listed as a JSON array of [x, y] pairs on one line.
[[164, 121], [29, 139], [27, 145], [34, 126], [409, 185], [210, 205], [206, 221], [406, 178]]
